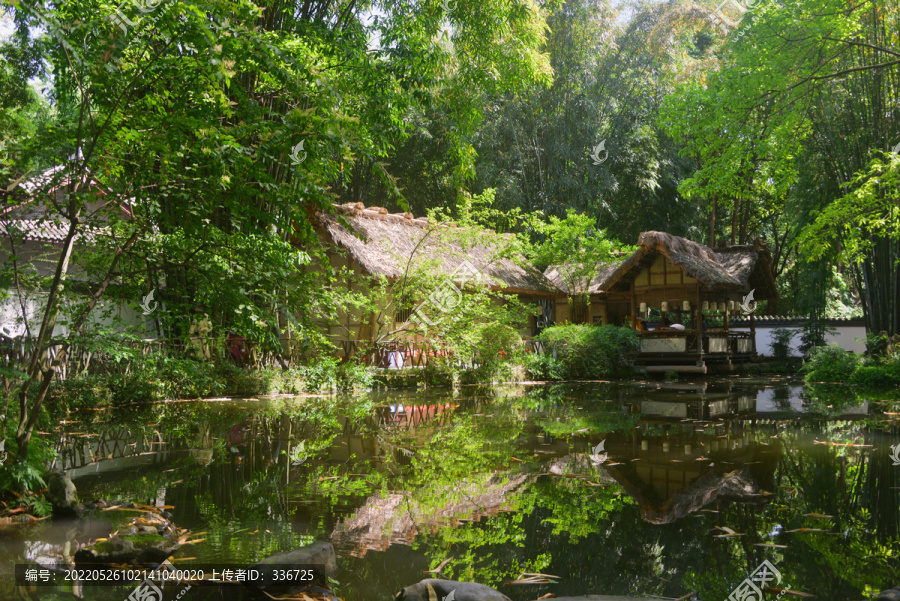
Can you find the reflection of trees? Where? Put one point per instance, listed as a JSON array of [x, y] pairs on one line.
[[371, 477]]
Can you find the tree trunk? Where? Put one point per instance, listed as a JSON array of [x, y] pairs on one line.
[[28, 416]]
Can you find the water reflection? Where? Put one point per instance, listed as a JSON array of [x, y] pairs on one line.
[[503, 482]]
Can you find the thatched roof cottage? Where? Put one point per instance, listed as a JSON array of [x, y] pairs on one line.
[[680, 294], [374, 242]]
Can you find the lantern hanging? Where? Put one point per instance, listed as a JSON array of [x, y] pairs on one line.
[[686, 305], [664, 307], [705, 305], [643, 307]]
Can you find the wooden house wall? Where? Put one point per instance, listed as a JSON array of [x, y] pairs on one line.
[[664, 281]]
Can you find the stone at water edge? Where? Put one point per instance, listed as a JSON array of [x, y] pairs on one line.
[[462, 591], [318, 557], [144, 548], [892, 594], [147, 539], [61, 493]]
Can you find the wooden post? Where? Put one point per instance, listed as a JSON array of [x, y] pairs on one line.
[[753, 331], [699, 322], [633, 307]]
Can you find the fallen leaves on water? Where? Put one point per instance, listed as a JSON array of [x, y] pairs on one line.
[[729, 533], [17, 521], [770, 589], [771, 545], [439, 567], [300, 597], [531, 578], [839, 444]]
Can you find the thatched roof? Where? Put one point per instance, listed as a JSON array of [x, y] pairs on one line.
[[384, 244], [554, 273], [739, 267], [739, 485], [395, 518]]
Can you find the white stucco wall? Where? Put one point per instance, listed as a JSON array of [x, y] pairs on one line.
[[849, 338], [104, 314]]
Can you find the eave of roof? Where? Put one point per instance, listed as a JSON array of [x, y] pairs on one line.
[[383, 244]]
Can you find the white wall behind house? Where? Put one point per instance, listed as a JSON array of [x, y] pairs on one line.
[[849, 338], [105, 314]]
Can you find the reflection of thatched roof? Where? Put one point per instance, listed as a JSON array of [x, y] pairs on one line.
[[740, 267], [383, 244], [738, 485], [554, 273], [668, 490], [395, 518]]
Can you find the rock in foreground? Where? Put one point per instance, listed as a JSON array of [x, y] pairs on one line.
[[148, 539], [431, 589], [61, 493], [319, 557]]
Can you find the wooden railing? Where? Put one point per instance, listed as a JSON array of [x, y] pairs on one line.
[[713, 341], [415, 354]]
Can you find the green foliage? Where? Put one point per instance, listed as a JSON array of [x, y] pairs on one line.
[[574, 245], [79, 392], [329, 373], [856, 222], [813, 334], [885, 376], [830, 364], [161, 378], [37, 506], [24, 477], [781, 343], [575, 352]]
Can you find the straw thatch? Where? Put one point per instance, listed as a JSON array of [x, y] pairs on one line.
[[554, 273], [739, 485], [394, 518], [739, 267], [386, 244]]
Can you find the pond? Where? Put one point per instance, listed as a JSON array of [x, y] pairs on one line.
[[645, 489]]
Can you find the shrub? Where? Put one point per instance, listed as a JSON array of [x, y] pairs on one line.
[[830, 364], [886, 375], [80, 391], [813, 334], [328, 373], [21, 478], [497, 348], [781, 343], [584, 352]]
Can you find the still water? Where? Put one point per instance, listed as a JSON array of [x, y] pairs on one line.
[[645, 489]]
